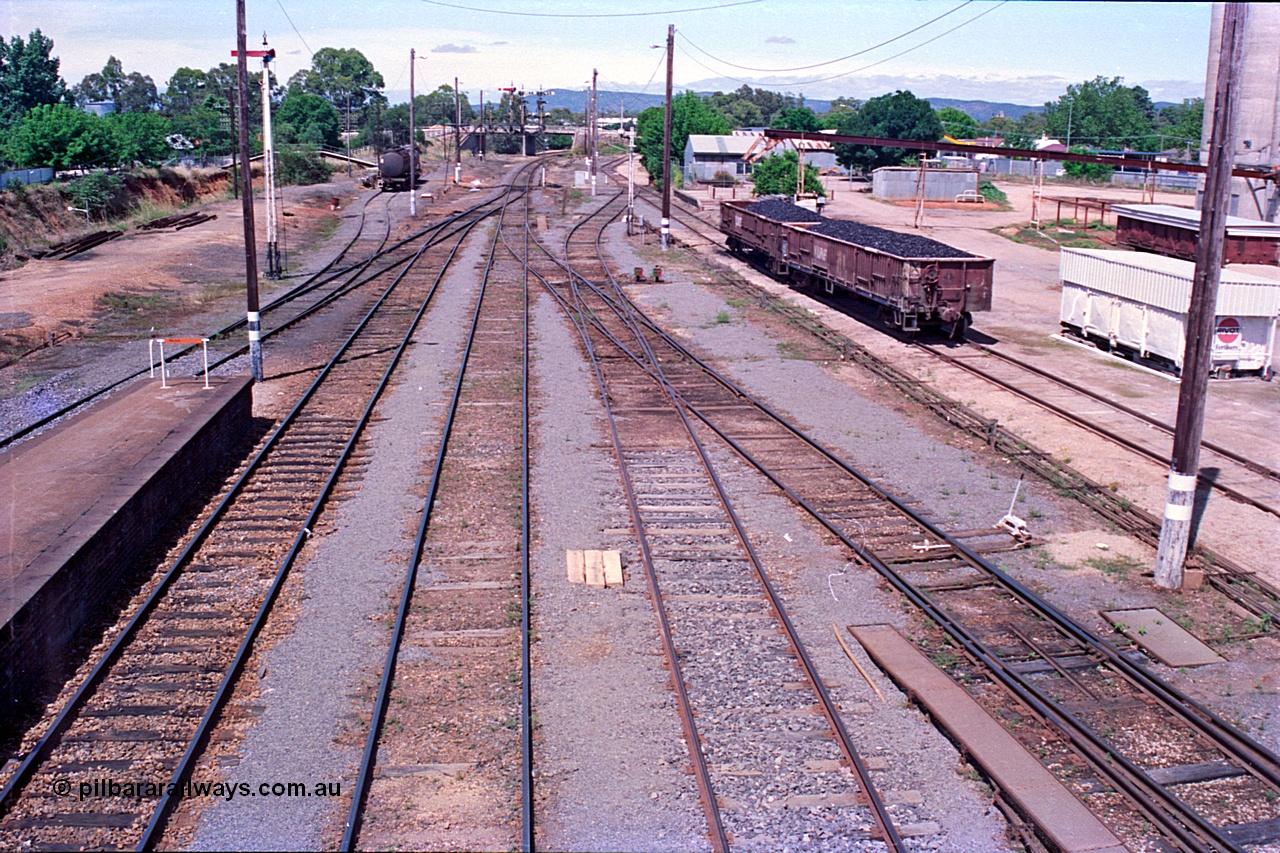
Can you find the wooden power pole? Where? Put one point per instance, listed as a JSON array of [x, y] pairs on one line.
[[413, 146], [246, 197], [666, 142], [1175, 530]]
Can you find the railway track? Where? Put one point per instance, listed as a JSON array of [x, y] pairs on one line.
[[459, 596], [1113, 726], [1233, 474], [740, 706], [151, 702], [1236, 581]]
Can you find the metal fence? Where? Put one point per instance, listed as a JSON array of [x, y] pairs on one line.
[[26, 176]]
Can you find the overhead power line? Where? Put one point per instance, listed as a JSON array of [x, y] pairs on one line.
[[854, 70], [592, 15], [829, 61], [295, 28]]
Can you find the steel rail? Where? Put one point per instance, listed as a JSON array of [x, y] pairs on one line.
[[1253, 465], [526, 662], [697, 760], [884, 822], [164, 808], [1092, 748], [1232, 580], [364, 774], [82, 693], [1250, 750], [1215, 729], [436, 237], [1104, 432], [888, 832], [173, 357]]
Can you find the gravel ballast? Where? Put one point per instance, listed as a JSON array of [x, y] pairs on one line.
[[309, 680], [610, 761]]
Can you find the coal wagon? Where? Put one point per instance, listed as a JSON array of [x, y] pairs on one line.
[[917, 281], [762, 227]]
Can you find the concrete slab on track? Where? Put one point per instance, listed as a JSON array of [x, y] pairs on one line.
[[1038, 794]]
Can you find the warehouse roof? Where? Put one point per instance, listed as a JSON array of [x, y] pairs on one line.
[[707, 144], [1185, 217]]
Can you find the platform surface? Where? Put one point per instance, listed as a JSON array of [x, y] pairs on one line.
[[56, 485]]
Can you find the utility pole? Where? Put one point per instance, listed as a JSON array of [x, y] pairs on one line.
[[457, 133], [594, 154], [235, 146], [666, 141], [1175, 530], [413, 146], [246, 198], [274, 270], [631, 178]]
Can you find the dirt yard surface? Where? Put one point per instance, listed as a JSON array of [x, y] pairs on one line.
[[164, 274]]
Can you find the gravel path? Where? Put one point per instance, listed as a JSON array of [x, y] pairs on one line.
[[347, 577], [610, 760]]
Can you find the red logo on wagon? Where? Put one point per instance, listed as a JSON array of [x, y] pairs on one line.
[[1228, 330]]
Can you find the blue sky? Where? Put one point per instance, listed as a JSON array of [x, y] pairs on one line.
[[1020, 52]]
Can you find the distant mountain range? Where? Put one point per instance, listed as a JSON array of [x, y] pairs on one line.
[[576, 101]]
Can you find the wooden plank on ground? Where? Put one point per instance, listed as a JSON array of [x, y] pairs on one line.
[[1068, 824], [576, 566], [1160, 635], [612, 568], [594, 568]]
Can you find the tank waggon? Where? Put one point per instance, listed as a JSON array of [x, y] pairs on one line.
[[917, 281], [395, 166]]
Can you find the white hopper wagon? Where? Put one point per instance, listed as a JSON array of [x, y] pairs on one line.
[[1137, 303]]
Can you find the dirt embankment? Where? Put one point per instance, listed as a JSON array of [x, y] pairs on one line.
[[32, 217]]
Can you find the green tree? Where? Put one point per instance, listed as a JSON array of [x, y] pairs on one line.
[[1103, 113], [28, 77], [1179, 126], [1094, 173], [776, 175], [840, 108], [769, 104], [140, 138], [129, 93], [344, 78], [309, 119], [1024, 132], [957, 124], [187, 89], [690, 114], [743, 113], [898, 116], [62, 136], [797, 118]]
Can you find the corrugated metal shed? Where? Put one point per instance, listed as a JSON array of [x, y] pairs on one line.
[[1185, 217], [1165, 282], [725, 145]]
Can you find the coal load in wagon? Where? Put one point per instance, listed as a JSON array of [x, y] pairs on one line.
[[884, 240], [783, 211]]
